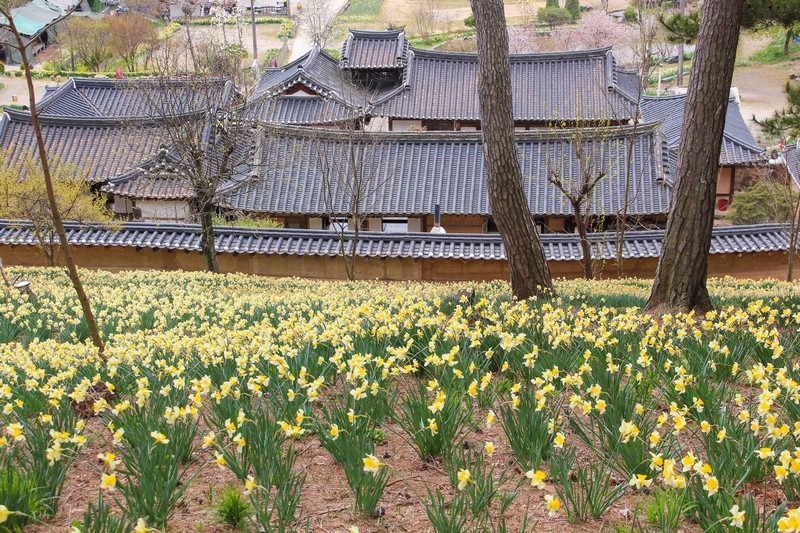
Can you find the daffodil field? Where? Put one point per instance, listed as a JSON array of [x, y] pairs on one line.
[[288, 405]]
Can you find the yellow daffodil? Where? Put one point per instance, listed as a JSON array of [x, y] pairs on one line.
[[537, 478]]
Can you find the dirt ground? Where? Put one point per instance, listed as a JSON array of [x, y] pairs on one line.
[[760, 86], [326, 503], [266, 34]]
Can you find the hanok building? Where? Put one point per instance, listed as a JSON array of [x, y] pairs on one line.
[[739, 151], [393, 86], [309, 178], [120, 135], [37, 22], [412, 117], [97, 147]]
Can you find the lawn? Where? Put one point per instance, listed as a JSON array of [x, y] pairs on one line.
[[280, 405], [772, 52]]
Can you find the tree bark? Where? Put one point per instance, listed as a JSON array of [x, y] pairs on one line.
[[787, 40], [530, 275], [72, 270], [207, 238], [680, 281], [583, 236]]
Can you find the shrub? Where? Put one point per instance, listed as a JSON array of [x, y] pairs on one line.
[[248, 222], [554, 16], [630, 15], [763, 202], [574, 8], [470, 21]]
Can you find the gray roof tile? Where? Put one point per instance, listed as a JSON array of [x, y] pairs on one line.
[[101, 148], [409, 173], [130, 98], [792, 158], [374, 50], [738, 144], [546, 86], [557, 247]]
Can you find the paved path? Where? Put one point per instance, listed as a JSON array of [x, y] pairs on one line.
[[302, 43], [19, 87]]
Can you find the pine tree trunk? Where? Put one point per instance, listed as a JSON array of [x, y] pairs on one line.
[[530, 275], [680, 281]]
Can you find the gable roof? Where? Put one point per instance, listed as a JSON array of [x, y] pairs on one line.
[[374, 50], [131, 98], [301, 171], [547, 87], [318, 71], [335, 97], [433, 85], [738, 144], [302, 110], [159, 178], [100, 147], [167, 172]]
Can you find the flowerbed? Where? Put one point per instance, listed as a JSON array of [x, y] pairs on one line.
[[297, 405]]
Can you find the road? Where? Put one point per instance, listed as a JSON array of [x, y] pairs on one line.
[[302, 43]]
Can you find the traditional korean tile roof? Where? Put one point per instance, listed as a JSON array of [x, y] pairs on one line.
[[792, 158], [738, 145], [374, 50], [157, 179], [263, 241], [99, 147], [318, 71], [294, 171], [546, 87], [335, 97], [302, 110], [131, 98]]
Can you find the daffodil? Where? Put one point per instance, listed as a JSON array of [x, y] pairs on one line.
[[108, 482], [639, 481], [249, 485], [537, 478], [464, 478], [553, 505], [372, 465], [711, 485], [159, 437], [737, 517]]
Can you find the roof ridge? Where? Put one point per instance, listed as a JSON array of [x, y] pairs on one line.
[[383, 34], [100, 121], [4, 121], [632, 235], [592, 53], [606, 132]]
